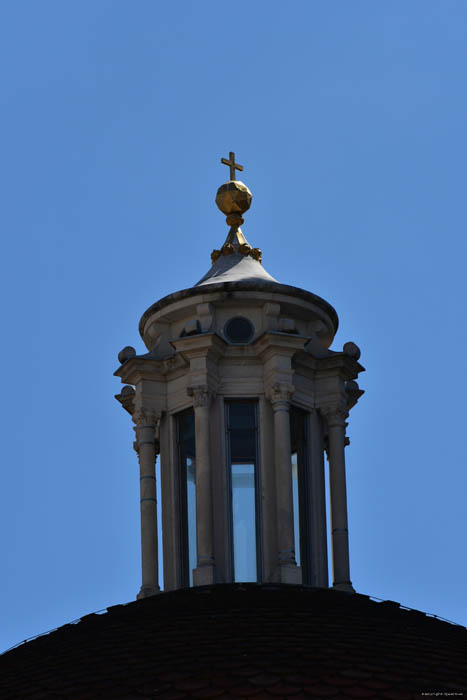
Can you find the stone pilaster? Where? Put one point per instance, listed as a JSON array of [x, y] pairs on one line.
[[335, 415], [204, 573], [279, 396], [146, 445]]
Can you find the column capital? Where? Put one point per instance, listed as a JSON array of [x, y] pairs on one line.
[[280, 394], [335, 414], [147, 424], [145, 417], [201, 393]]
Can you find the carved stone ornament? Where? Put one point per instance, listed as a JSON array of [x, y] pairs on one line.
[[144, 417], [228, 249], [243, 249], [335, 414], [256, 254], [126, 353], [147, 427], [351, 350], [201, 394], [280, 392], [215, 255]]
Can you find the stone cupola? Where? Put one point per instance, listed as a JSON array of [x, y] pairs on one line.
[[240, 398]]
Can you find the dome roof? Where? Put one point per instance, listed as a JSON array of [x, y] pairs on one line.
[[243, 641]]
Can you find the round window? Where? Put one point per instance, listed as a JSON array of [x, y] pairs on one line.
[[239, 330]]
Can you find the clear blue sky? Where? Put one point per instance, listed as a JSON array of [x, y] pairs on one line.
[[350, 119]]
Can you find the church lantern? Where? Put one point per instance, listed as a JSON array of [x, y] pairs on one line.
[[241, 399]]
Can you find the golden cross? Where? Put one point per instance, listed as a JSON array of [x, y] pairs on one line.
[[232, 164]]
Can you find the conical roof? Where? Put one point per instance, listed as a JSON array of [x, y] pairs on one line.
[[235, 266], [236, 261]]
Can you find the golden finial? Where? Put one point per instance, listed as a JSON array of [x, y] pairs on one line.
[[232, 164], [233, 199]]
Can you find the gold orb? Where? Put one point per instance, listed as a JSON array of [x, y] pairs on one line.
[[233, 197]]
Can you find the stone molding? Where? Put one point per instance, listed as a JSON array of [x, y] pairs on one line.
[[149, 367]]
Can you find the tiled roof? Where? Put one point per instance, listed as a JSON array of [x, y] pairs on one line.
[[243, 641]]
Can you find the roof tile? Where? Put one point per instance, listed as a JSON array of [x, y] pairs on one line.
[[283, 690], [241, 641], [264, 680], [399, 694], [359, 692], [321, 690], [208, 693]]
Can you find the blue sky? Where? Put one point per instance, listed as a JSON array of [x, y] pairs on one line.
[[349, 118]]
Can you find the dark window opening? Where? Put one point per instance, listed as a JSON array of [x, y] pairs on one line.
[[239, 330], [242, 453], [299, 441], [187, 481]]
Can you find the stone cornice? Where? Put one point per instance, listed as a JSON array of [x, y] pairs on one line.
[[144, 367], [200, 344], [346, 366], [277, 342]]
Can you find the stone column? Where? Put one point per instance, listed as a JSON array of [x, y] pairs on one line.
[[279, 396], [339, 528], [145, 445], [204, 573]]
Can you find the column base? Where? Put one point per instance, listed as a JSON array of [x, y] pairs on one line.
[[146, 591], [289, 573], [345, 586], [203, 575]]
